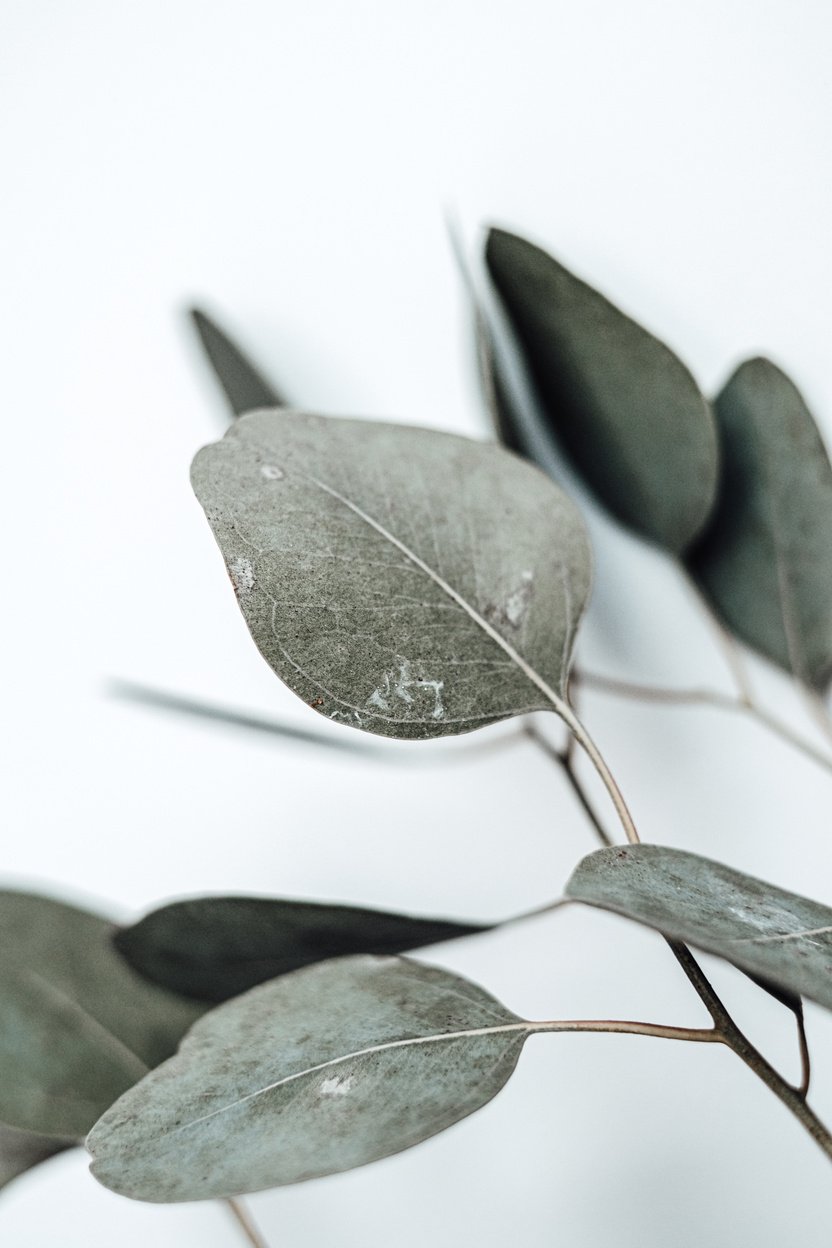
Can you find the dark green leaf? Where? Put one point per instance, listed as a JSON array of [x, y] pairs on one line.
[[407, 582], [623, 406], [770, 934], [214, 948], [23, 1150], [765, 561], [320, 1071], [244, 386], [77, 1025]]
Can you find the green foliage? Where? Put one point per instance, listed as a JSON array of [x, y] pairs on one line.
[[77, 1025], [416, 584], [245, 388], [213, 948], [323, 1070], [765, 560], [403, 581], [623, 406], [774, 935]]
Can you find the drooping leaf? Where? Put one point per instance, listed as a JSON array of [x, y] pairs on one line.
[[243, 384], [770, 934], [77, 1025], [320, 1071], [214, 948], [23, 1150], [407, 582], [620, 403], [765, 561]]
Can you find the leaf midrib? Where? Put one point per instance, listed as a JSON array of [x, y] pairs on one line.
[[525, 667], [519, 1027]]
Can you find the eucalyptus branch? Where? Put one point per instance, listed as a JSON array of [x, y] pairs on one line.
[[794, 1098], [724, 1029]]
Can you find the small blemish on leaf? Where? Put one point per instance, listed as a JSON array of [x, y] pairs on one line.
[[271, 472], [336, 1085], [242, 576]]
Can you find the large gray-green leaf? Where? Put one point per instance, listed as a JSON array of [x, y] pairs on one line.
[[320, 1071], [244, 386], [765, 560], [23, 1150], [769, 933], [623, 406], [407, 582], [214, 948], [77, 1025]]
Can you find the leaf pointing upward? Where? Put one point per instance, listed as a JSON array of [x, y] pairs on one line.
[[243, 384], [766, 558], [624, 407], [407, 582]]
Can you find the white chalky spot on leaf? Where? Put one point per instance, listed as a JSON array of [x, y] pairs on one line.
[[517, 603], [271, 472], [336, 1085], [384, 541], [242, 576], [401, 684]]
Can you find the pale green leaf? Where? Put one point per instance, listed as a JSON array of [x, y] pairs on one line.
[[765, 561], [77, 1025], [769, 933], [616, 399], [404, 581], [317, 1072]]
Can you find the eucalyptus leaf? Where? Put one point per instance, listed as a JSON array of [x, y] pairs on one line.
[[214, 948], [620, 403], [765, 561], [77, 1025], [328, 1068], [770, 934], [496, 391], [244, 386], [23, 1150], [407, 582]]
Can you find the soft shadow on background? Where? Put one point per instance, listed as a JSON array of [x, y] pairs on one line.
[[290, 166]]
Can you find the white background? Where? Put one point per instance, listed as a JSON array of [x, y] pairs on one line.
[[291, 164]]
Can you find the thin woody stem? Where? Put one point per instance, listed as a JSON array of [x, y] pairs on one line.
[[724, 1029], [730, 649], [662, 1031], [704, 697], [565, 761], [805, 1058], [245, 1222], [600, 764]]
